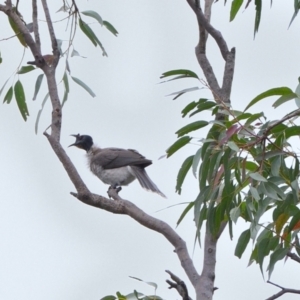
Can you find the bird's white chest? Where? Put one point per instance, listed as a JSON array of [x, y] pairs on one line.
[[117, 176]]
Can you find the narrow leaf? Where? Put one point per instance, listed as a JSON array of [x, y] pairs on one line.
[[21, 100], [17, 31], [196, 160], [87, 31], [177, 145], [26, 69], [179, 93], [39, 113], [232, 145], [186, 210], [258, 8], [111, 28], [280, 91], [191, 127], [182, 173], [187, 73], [235, 213], [258, 177], [242, 243], [235, 6], [38, 85], [284, 99], [83, 85], [9, 95], [276, 256], [93, 14]]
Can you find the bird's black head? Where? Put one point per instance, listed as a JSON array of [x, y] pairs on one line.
[[83, 141]]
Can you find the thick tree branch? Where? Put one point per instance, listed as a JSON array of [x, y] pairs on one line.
[[203, 21], [283, 291]]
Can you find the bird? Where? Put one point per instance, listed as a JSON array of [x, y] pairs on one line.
[[115, 166]]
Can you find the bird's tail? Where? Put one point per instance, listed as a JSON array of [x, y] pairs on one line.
[[145, 180]]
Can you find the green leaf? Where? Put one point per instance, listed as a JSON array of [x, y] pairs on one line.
[[9, 95], [275, 166], [235, 213], [294, 221], [242, 243], [87, 30], [262, 252], [232, 145], [196, 160], [110, 297], [258, 177], [191, 127], [0, 58], [83, 85], [93, 14], [258, 8], [177, 145], [292, 131], [235, 6], [21, 100], [254, 193], [272, 92], [188, 108], [180, 93], [284, 99], [253, 118], [111, 28], [182, 172], [38, 85], [186, 210], [17, 31], [186, 73], [67, 88], [26, 69], [39, 113], [203, 106], [277, 255]]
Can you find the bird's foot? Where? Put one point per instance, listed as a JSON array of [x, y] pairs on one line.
[[112, 190]]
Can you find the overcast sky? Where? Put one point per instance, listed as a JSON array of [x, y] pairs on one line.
[[55, 247]]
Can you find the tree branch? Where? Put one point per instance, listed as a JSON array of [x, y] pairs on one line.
[[121, 206], [283, 291], [36, 25], [294, 257], [51, 32], [26, 34], [204, 21], [179, 285]]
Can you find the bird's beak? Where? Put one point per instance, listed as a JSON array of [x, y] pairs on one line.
[[75, 136]]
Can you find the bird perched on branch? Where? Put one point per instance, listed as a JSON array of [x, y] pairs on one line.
[[115, 166]]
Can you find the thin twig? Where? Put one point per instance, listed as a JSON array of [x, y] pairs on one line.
[[283, 291], [51, 32]]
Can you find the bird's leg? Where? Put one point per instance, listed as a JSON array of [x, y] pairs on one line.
[[115, 187]]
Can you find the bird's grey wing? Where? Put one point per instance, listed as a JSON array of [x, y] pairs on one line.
[[111, 158]]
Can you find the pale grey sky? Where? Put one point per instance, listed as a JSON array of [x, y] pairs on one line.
[[55, 247]]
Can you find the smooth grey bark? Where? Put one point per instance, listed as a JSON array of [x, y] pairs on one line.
[[221, 94]]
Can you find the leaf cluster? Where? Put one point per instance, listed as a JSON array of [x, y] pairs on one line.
[[245, 167]]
